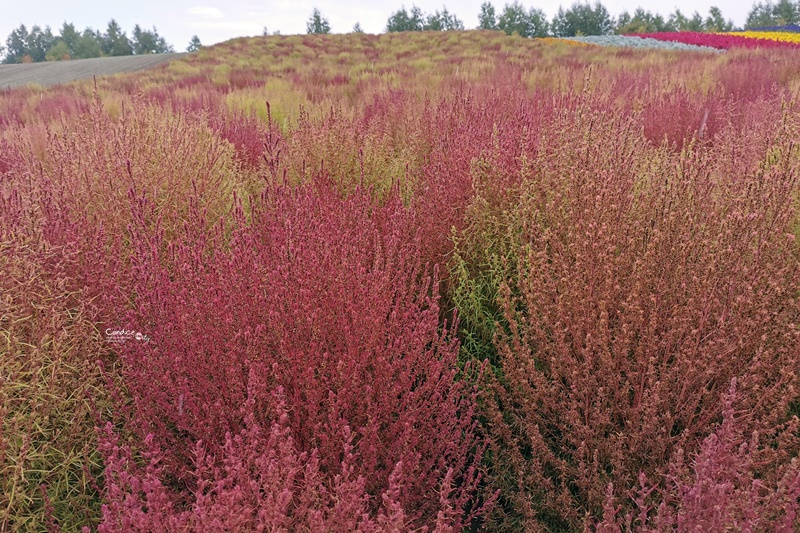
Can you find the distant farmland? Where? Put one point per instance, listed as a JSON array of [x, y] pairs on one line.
[[53, 73]]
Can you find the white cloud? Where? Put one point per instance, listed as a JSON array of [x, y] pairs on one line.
[[205, 12]]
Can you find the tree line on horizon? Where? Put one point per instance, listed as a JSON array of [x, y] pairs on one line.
[[37, 44], [581, 18]]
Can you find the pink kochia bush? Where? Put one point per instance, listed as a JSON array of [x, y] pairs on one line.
[[296, 375]]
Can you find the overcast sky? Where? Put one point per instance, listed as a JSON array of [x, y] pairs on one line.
[[216, 21]]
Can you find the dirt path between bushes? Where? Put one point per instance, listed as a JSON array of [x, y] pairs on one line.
[[55, 72]]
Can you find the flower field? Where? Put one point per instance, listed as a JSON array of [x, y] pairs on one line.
[[633, 41], [778, 38], [419, 281], [782, 36]]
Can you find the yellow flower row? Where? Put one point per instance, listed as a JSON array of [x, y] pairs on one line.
[[553, 40], [785, 36]]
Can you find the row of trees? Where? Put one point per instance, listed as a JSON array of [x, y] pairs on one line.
[[24, 46], [416, 20], [578, 19], [401, 20], [782, 13], [646, 22]]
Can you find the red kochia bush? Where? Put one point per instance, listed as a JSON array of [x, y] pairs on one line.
[[262, 482], [326, 300], [679, 116], [245, 133]]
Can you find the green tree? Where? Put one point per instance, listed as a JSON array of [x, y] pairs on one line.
[[23, 45], [515, 19], [696, 23], [39, 42], [582, 19], [642, 22], [58, 52], [678, 21], [149, 42], [768, 14], [760, 15], [624, 19], [17, 45], [716, 22], [194, 44], [70, 37], [786, 12], [402, 20], [442, 21], [487, 18], [115, 42], [89, 45], [317, 24]]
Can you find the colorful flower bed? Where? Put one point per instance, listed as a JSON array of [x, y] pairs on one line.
[[723, 41], [631, 41], [780, 36]]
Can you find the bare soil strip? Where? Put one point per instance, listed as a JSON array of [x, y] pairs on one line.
[[53, 73]]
